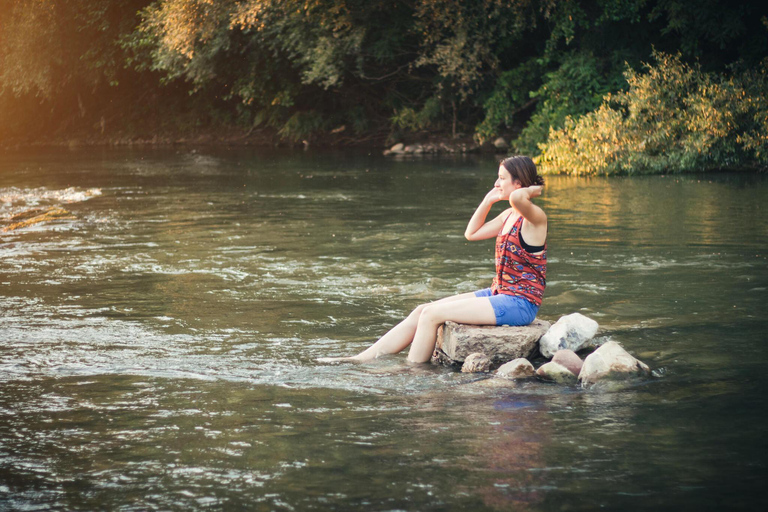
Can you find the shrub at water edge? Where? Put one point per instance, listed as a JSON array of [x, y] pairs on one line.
[[673, 118]]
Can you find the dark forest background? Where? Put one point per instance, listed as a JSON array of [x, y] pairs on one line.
[[602, 86]]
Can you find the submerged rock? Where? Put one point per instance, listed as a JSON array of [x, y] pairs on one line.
[[569, 359], [500, 343], [571, 332], [520, 368], [555, 372], [476, 363], [610, 361]]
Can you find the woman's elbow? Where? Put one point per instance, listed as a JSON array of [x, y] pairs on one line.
[[518, 198]]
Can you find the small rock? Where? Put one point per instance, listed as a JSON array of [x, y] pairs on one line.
[[555, 372], [397, 148], [476, 363], [610, 361], [500, 143], [569, 359], [520, 368], [492, 383], [570, 332]]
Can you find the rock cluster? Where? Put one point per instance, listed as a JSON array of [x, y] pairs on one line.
[[434, 148], [480, 347]]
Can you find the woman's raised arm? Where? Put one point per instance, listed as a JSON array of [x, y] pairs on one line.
[[478, 229], [521, 200]]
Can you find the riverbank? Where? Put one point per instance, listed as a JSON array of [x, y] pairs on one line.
[[388, 143]]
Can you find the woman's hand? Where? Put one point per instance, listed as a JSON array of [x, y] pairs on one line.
[[525, 192], [534, 191], [494, 196]]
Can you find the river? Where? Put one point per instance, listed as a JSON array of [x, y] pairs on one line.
[[157, 350]]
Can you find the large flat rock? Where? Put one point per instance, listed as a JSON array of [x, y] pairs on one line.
[[500, 343]]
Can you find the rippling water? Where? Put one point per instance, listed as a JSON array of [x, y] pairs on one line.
[[157, 351]]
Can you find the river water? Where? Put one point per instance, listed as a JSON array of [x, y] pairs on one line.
[[157, 350]]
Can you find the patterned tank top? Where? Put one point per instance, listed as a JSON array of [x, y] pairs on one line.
[[519, 272]]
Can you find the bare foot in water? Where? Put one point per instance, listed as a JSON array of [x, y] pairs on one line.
[[349, 359]]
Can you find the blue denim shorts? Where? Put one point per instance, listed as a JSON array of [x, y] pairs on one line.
[[510, 310]]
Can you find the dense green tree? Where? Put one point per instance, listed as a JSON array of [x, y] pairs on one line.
[[348, 69]]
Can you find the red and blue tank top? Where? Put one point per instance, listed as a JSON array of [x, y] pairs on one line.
[[518, 272]]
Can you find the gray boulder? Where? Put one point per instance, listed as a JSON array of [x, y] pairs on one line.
[[569, 359], [571, 332], [610, 361], [555, 372], [500, 143], [476, 363], [520, 368], [500, 343]]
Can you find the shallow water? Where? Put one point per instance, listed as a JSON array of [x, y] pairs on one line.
[[157, 352]]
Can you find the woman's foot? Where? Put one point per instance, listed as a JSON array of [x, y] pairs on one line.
[[360, 358], [338, 360]]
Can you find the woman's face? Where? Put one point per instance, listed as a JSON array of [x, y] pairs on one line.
[[505, 185]]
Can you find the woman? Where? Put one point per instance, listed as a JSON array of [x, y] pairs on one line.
[[521, 261]]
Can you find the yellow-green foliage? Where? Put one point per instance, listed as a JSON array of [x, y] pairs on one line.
[[673, 118]]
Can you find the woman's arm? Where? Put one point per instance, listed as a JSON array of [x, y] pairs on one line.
[[521, 200], [478, 229]]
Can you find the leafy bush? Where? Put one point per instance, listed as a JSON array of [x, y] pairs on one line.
[[575, 88], [673, 118]]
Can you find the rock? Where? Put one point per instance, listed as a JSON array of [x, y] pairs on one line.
[[610, 361], [555, 372], [492, 383], [569, 359], [520, 368], [500, 143], [397, 148], [500, 343], [571, 332], [476, 363]]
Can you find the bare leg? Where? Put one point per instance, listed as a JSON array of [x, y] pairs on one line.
[[475, 310], [399, 337]]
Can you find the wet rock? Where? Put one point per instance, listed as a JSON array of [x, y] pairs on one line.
[[571, 332], [569, 359], [492, 383], [610, 361], [476, 363], [397, 148], [500, 343], [520, 368], [500, 143], [557, 373]]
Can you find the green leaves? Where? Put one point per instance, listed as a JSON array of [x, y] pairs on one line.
[[673, 118]]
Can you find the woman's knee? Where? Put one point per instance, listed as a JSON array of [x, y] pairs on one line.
[[430, 313], [416, 313]]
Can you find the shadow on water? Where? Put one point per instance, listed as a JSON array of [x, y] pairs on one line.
[[158, 350]]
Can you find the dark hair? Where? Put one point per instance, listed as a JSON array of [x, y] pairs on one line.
[[522, 169]]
